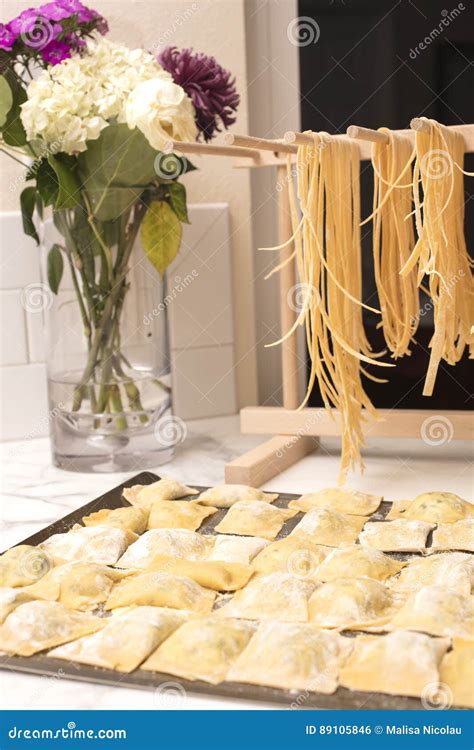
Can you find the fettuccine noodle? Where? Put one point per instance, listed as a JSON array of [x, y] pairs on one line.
[[393, 241], [328, 255], [440, 251]]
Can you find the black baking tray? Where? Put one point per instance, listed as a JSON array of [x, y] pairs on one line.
[[46, 666]]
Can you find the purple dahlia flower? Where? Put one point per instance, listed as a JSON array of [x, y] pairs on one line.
[[209, 86]]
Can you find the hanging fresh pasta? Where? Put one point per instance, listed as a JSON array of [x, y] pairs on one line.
[[328, 255], [440, 253], [393, 241]]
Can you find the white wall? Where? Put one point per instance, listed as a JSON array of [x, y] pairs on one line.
[[215, 27], [274, 108]]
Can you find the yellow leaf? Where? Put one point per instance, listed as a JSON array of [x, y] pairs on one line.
[[161, 233]]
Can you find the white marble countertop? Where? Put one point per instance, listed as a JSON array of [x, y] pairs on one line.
[[35, 493]]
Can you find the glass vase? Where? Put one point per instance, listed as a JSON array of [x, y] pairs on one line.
[[107, 347]]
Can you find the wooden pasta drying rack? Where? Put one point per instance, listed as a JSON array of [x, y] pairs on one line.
[[296, 431]]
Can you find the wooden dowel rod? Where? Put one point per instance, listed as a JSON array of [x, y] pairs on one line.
[[289, 347], [301, 139], [188, 147], [367, 134], [231, 139]]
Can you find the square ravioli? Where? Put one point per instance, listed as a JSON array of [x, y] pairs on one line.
[[178, 514], [212, 574], [457, 669], [254, 518], [161, 590], [456, 536], [433, 507], [144, 495], [127, 639], [353, 604], [202, 649], [23, 565], [276, 596], [36, 626], [77, 585], [133, 519], [329, 528], [357, 561], [225, 495], [236, 549], [180, 543], [402, 663], [396, 536], [438, 611], [342, 501], [292, 657], [296, 555], [95, 544], [454, 570]]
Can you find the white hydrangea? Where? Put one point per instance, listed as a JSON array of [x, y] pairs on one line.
[[71, 103]]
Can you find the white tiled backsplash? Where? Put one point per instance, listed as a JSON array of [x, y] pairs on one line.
[[201, 325]]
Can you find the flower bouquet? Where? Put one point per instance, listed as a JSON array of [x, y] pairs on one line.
[[93, 117]]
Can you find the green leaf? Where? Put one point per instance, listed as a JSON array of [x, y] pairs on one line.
[[177, 193], [55, 268], [161, 233], [6, 100], [27, 203], [69, 188], [188, 166], [46, 182], [12, 129], [116, 169]]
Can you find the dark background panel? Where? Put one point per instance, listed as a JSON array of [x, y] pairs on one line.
[[367, 68]]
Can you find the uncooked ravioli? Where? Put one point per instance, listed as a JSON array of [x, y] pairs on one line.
[[36, 626], [77, 585], [161, 590], [396, 536], [202, 649], [254, 518], [23, 565], [358, 562], [180, 543], [454, 536], [225, 495], [178, 514], [212, 574], [133, 519], [270, 597], [292, 657], [96, 544], [295, 555], [401, 663], [437, 610], [353, 604], [145, 495], [337, 499], [457, 669], [433, 507], [455, 570], [236, 549], [329, 528], [126, 640]]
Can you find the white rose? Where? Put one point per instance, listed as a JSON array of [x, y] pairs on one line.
[[162, 111]]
